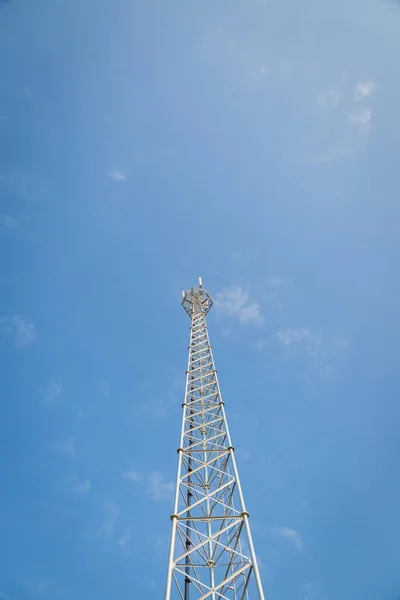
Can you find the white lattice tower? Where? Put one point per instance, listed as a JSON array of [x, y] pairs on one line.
[[211, 550]]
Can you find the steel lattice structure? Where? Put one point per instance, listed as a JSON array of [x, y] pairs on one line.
[[211, 551]]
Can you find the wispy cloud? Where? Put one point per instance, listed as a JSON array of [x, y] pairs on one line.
[[53, 393], [329, 98], [260, 344], [126, 536], [243, 454], [251, 314], [23, 184], [276, 285], [340, 343], [291, 336], [308, 589], [118, 174], [111, 516], [150, 583], [39, 587], [291, 535], [9, 223], [361, 120], [159, 489], [276, 281], [235, 302], [258, 75], [303, 337], [315, 345], [22, 332], [156, 544], [81, 487], [261, 564], [153, 407], [132, 475], [363, 89], [344, 120], [25, 333], [67, 446], [4, 596]]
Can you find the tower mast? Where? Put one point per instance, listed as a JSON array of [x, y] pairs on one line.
[[211, 554]]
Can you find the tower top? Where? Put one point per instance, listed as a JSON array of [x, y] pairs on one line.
[[196, 301]]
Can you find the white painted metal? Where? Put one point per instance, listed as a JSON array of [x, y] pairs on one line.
[[211, 553]]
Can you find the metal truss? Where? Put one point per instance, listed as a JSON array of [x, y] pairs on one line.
[[211, 550]]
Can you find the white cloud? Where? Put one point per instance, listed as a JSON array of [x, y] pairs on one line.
[[150, 583], [322, 349], [291, 336], [277, 281], [363, 89], [41, 587], [291, 535], [38, 588], [118, 174], [126, 536], [308, 589], [251, 314], [82, 486], [23, 184], [111, 510], [9, 223], [23, 333], [235, 302], [328, 372], [340, 343], [341, 125], [132, 475], [155, 408], [330, 98], [337, 151], [260, 344], [159, 410], [243, 454], [261, 564], [257, 75], [302, 336], [361, 120], [156, 544], [276, 284], [231, 300], [67, 446], [53, 393], [159, 489]]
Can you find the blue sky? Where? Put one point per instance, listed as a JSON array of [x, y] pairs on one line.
[[254, 143]]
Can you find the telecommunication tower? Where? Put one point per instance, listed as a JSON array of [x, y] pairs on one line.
[[211, 552]]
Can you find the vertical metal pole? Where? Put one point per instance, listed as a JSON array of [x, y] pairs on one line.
[[188, 500]]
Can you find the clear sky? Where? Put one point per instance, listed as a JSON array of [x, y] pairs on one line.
[[255, 143]]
